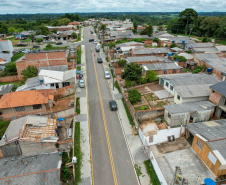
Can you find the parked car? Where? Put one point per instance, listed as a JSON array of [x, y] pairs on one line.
[[36, 51], [107, 75], [113, 105], [36, 46], [94, 42], [59, 43], [81, 83], [91, 40], [99, 60], [21, 44]]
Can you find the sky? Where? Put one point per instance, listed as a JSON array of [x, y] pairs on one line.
[[72, 6]]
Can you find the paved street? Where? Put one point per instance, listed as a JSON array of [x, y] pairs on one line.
[[111, 160]]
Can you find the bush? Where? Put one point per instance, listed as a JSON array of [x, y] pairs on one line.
[[128, 83], [3, 126], [205, 39], [134, 96], [143, 80], [30, 72], [151, 76], [122, 62], [173, 45], [188, 51], [38, 40], [74, 35]]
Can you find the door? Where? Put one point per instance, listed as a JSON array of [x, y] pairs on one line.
[[57, 85]]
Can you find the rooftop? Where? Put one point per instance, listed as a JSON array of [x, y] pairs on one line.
[[161, 66], [150, 51], [189, 107], [220, 87], [212, 49], [5, 88], [202, 45], [132, 43], [148, 59], [38, 169]]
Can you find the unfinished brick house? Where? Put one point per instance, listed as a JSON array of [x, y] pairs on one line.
[[41, 60], [18, 104]]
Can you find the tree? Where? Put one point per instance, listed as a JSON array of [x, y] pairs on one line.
[[63, 21], [134, 96], [221, 31], [10, 69], [189, 14], [19, 30], [44, 30], [121, 62], [173, 45], [160, 28], [11, 30], [74, 35], [54, 30], [103, 28], [147, 31], [151, 76], [30, 72], [132, 72], [3, 28], [38, 40], [210, 25], [156, 39], [134, 27]]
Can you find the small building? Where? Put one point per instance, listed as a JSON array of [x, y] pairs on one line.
[[4, 89], [208, 141], [75, 24], [48, 79], [18, 104], [148, 60], [162, 68], [36, 169], [218, 97], [158, 52], [6, 50], [29, 135], [185, 113], [188, 87]]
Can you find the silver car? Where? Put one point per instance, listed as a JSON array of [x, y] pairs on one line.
[[81, 83], [107, 75]]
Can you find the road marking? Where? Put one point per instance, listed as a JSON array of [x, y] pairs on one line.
[[105, 125], [91, 155]]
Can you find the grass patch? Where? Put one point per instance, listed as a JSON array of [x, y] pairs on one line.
[[151, 97], [65, 171], [159, 104], [79, 68], [15, 84], [3, 126], [16, 57], [78, 105], [223, 42], [144, 107], [79, 54], [117, 87], [128, 113], [77, 153], [138, 170], [151, 172]]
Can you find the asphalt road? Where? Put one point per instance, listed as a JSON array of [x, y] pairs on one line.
[[111, 159]]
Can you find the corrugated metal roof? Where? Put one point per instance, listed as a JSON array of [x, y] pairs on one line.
[[55, 68], [220, 146], [150, 51], [189, 107], [5, 88], [212, 49], [202, 45], [132, 43], [148, 59], [220, 87], [162, 66], [30, 83]]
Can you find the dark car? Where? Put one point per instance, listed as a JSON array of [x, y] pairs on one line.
[[113, 105], [36, 46], [91, 40], [59, 43], [99, 60], [21, 44], [91, 32]]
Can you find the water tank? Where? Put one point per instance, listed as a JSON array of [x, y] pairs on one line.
[[169, 54], [183, 41], [41, 80], [173, 53], [209, 70], [173, 41], [177, 59]]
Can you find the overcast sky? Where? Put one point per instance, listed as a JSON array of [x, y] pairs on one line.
[[71, 6]]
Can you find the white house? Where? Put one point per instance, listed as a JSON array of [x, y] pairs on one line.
[[48, 79], [6, 50]]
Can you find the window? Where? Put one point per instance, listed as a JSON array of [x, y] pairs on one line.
[[167, 84], [178, 97], [199, 144], [169, 115], [213, 91], [212, 158], [164, 72], [38, 106], [51, 85], [13, 118], [171, 88], [66, 84], [174, 71], [19, 109]]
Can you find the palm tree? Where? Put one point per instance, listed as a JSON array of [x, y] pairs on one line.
[[103, 28]]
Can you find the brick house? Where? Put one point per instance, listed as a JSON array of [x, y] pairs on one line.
[[218, 97], [40, 60], [75, 23], [18, 104], [158, 52], [147, 60]]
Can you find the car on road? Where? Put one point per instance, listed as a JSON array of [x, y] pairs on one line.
[[113, 105], [91, 32], [91, 40], [107, 75], [36, 46], [99, 60], [81, 83], [94, 42], [59, 43]]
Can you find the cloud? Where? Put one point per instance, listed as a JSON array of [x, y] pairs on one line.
[[60, 6]]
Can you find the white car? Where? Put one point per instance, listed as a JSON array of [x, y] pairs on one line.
[[81, 83], [107, 75], [94, 42]]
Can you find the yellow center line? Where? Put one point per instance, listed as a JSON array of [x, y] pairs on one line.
[[105, 126], [91, 154]]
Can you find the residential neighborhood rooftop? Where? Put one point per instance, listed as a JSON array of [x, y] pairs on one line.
[[161, 66], [220, 87], [5, 89], [150, 51], [147, 59]]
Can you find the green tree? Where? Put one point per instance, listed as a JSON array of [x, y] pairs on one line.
[[134, 96], [134, 27], [3, 28], [173, 45], [151, 76], [11, 30], [132, 72], [19, 30], [38, 40], [44, 30], [156, 39], [190, 15], [121, 62], [54, 30], [160, 28], [10, 69], [63, 21], [74, 35], [30, 72], [221, 31], [210, 25], [147, 31]]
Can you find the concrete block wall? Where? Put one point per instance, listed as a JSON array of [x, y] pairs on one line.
[[215, 97]]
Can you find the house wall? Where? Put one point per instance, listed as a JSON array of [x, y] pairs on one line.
[[11, 149], [203, 154], [186, 100], [6, 45], [216, 72], [8, 113], [149, 114], [10, 78], [215, 97], [170, 71], [168, 88]]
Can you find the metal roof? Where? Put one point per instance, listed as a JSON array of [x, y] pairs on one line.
[[36, 169], [212, 49], [55, 68], [177, 49], [161, 66], [148, 59], [219, 146], [150, 51], [220, 87], [5, 88], [202, 56], [132, 43], [189, 107], [202, 45], [31, 82]]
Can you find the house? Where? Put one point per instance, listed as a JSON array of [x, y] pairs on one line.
[[148, 59], [37, 169], [41, 60], [158, 52], [124, 48], [17, 104], [6, 50], [29, 135], [4, 89], [211, 60], [59, 28], [48, 79], [162, 68], [183, 42], [139, 29], [190, 60], [208, 141], [188, 87], [3, 63], [218, 97], [176, 49], [75, 24], [191, 112]]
